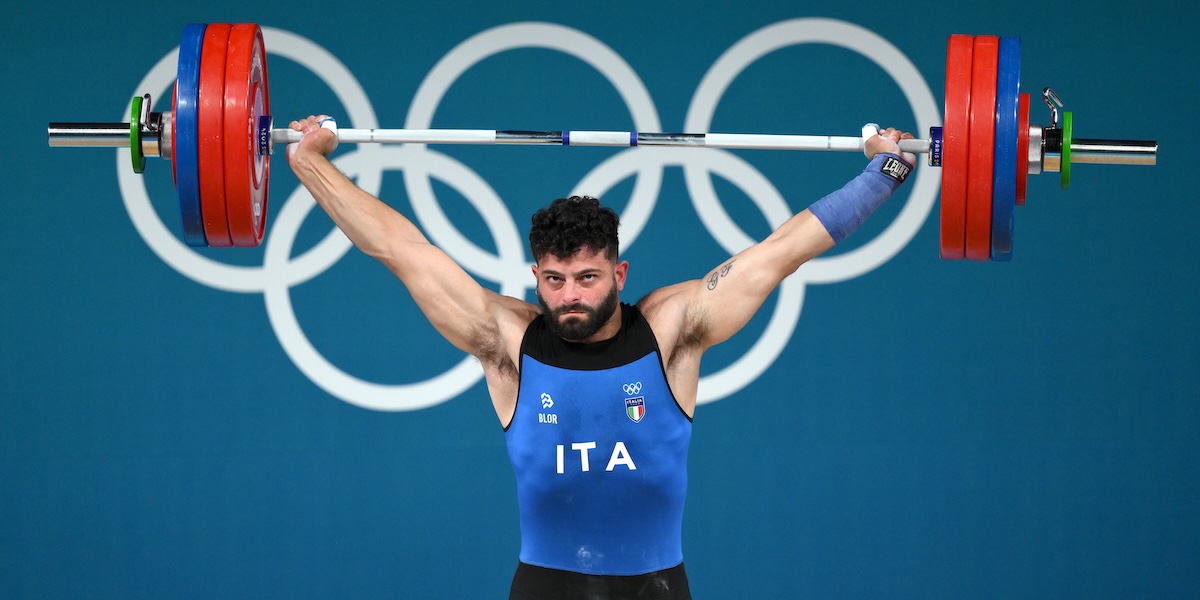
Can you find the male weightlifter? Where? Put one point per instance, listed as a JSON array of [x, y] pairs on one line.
[[596, 396]]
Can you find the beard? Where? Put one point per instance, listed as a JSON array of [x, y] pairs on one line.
[[579, 328]]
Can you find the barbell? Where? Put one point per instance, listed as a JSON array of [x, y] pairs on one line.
[[219, 137]]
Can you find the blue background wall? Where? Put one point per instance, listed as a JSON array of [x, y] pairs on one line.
[[931, 429]]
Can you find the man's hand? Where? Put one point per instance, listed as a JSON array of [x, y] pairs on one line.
[[888, 140], [320, 138]]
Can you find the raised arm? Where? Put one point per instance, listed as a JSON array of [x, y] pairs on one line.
[[467, 314], [701, 313]]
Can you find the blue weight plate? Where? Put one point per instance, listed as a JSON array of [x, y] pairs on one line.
[[187, 134], [1004, 178]]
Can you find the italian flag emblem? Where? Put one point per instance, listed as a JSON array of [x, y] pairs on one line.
[[635, 408]]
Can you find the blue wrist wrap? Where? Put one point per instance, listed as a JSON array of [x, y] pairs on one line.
[[844, 210]]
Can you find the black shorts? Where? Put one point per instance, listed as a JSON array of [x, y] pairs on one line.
[[540, 583]]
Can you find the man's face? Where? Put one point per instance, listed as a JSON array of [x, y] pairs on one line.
[[579, 295]]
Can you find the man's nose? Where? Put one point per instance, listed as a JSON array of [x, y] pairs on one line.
[[571, 292]]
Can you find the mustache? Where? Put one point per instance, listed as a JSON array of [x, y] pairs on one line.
[[572, 308]]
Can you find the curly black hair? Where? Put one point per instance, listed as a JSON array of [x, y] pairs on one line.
[[570, 224]]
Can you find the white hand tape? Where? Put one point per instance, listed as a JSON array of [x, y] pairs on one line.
[[868, 130], [330, 124]]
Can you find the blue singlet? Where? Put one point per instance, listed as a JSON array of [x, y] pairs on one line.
[[599, 447]]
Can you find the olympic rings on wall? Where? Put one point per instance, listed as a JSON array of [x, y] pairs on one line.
[[508, 266]]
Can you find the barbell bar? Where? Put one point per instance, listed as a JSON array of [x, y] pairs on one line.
[[219, 137]]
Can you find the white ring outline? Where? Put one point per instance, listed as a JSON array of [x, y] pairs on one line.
[[515, 36], [779, 330], [362, 393], [925, 186]]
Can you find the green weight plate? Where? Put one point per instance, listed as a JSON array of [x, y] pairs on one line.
[[135, 136], [1065, 168]]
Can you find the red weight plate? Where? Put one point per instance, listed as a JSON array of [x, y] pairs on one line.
[[211, 121], [246, 169], [955, 137], [985, 63], [1022, 147]]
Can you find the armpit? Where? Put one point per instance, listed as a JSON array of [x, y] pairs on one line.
[[489, 348]]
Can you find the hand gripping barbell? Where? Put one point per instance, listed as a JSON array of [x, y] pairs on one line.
[[219, 137]]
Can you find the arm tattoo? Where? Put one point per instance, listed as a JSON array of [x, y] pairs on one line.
[[718, 274]]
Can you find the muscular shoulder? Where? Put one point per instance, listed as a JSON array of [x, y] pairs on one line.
[[671, 312]]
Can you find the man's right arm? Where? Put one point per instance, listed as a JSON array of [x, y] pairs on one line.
[[467, 314]]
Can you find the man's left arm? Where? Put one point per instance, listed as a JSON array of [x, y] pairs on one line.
[[725, 300]]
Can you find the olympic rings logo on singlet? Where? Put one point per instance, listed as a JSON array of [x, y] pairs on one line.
[[507, 266]]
